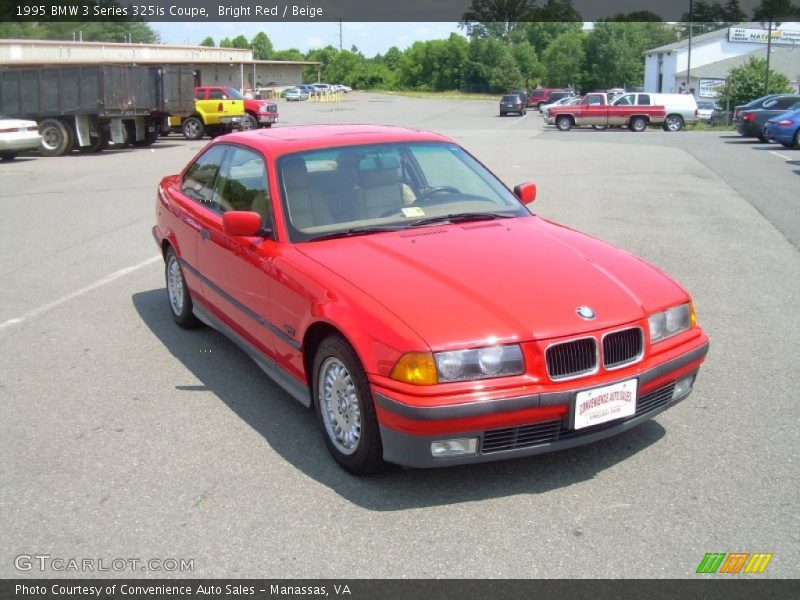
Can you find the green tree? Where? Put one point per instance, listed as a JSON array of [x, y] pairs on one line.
[[707, 17], [501, 19], [775, 10], [746, 83], [564, 60], [240, 42], [541, 34], [528, 63], [288, 54], [392, 58], [209, 41], [107, 31], [506, 75], [225, 43], [262, 46]]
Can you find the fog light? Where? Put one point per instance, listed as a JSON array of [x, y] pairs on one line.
[[456, 447], [682, 387]]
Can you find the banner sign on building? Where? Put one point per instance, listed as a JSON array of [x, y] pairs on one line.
[[710, 88], [759, 36]]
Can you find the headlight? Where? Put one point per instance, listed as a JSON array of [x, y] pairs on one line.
[[670, 322], [493, 361]]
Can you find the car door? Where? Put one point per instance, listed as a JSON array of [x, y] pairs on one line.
[[190, 203], [237, 269], [596, 111]]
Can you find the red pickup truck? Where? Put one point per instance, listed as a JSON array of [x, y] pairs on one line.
[[257, 113], [594, 110]]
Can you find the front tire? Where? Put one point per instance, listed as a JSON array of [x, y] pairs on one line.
[[797, 139], [564, 123], [180, 301], [8, 156], [344, 407]]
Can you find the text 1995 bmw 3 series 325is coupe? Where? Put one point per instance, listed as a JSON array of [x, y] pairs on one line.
[[386, 279]]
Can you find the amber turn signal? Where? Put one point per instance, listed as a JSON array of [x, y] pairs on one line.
[[416, 368]]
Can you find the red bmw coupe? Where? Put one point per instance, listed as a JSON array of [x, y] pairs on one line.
[[386, 279]]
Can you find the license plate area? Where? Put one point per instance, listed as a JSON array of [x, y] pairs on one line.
[[603, 404]]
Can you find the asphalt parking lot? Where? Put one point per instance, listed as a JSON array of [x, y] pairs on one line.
[[124, 436]]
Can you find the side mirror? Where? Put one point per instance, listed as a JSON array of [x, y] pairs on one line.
[[526, 192], [241, 223]]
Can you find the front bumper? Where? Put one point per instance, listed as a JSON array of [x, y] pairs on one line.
[[549, 427], [268, 118]]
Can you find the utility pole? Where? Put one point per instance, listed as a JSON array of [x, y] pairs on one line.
[[691, 30], [769, 51], [340, 35]]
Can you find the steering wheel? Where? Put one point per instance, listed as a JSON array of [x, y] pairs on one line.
[[437, 189]]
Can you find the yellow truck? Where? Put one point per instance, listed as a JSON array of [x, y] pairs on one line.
[[213, 116]]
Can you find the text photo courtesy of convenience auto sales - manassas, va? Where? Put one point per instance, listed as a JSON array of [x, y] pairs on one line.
[[370, 300]]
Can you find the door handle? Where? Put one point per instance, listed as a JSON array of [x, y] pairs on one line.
[[205, 234]]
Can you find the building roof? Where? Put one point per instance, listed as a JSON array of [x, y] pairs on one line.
[[783, 59], [30, 52], [703, 37]]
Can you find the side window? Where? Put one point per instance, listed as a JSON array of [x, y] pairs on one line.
[[626, 100], [198, 183], [242, 184], [216, 95], [200, 94], [644, 99], [595, 101], [786, 102]]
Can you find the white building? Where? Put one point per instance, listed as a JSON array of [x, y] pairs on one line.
[[231, 67], [714, 54]]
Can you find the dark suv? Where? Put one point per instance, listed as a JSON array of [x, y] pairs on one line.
[[512, 103]]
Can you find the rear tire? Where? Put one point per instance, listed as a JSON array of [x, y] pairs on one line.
[[97, 143], [564, 123], [192, 128], [673, 123], [179, 299], [345, 409], [638, 124], [56, 138]]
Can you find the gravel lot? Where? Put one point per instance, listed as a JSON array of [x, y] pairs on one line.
[[123, 436]]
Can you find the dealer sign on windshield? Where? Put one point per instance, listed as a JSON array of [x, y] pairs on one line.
[[603, 404]]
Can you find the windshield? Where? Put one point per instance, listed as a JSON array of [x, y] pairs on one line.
[[360, 189], [235, 94]]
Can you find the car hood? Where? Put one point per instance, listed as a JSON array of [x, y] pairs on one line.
[[498, 281]]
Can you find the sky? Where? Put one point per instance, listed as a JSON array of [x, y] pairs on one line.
[[370, 38]]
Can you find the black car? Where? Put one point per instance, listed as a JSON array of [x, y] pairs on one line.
[[512, 103], [751, 118], [556, 96], [523, 94]]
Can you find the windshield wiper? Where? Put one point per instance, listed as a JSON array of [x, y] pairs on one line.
[[461, 217], [354, 231]]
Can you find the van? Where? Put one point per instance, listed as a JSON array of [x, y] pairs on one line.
[[681, 108]]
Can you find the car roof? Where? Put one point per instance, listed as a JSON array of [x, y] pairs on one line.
[[278, 141]]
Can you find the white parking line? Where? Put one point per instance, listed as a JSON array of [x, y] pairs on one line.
[[92, 286], [779, 155]]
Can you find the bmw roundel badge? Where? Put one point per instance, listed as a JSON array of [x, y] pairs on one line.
[[584, 312]]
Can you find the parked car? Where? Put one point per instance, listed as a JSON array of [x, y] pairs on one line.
[[541, 96], [295, 94], [750, 122], [17, 135], [784, 129], [512, 103], [437, 346], [753, 104], [708, 112], [594, 109], [565, 101], [681, 109], [523, 94]]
